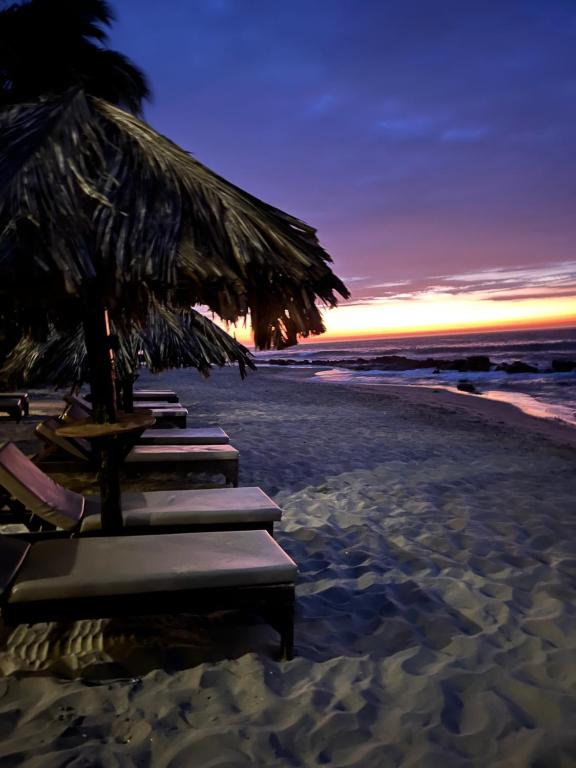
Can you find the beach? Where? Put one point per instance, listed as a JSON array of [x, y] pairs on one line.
[[435, 621]]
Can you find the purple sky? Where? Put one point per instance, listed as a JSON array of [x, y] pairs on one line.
[[424, 140]]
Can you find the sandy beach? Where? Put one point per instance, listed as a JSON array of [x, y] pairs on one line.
[[435, 536]]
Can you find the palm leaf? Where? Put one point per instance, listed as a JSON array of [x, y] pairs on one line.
[[169, 340], [93, 199]]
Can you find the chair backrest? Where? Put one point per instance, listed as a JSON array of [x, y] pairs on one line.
[[24, 481], [12, 554], [73, 412], [81, 403], [77, 447]]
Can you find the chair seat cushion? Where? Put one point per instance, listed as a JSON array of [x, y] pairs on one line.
[[188, 436], [198, 507], [142, 454], [134, 565], [156, 405], [10, 403], [155, 394]]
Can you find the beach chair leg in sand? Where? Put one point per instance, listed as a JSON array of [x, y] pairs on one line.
[[71, 579]]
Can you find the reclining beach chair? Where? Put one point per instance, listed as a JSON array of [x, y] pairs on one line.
[[88, 578], [37, 501], [22, 396], [67, 454], [160, 395], [187, 436], [164, 413], [155, 395], [13, 406]]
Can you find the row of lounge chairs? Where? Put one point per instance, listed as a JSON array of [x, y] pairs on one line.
[[212, 549], [152, 453]]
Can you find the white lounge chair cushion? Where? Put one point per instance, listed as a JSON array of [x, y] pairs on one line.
[[155, 394], [37, 491], [162, 408], [126, 565], [142, 454], [199, 507], [188, 436]]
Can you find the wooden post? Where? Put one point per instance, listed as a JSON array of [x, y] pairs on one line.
[[128, 394], [100, 360]]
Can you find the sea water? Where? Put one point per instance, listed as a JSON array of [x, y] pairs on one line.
[[544, 394]]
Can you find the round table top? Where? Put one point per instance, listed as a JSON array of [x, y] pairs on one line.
[[125, 423]]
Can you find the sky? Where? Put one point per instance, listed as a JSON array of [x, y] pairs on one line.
[[431, 143]]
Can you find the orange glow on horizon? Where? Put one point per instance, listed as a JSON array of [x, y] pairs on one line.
[[437, 315]]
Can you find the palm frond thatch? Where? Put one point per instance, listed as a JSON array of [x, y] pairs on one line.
[[184, 339], [91, 198]]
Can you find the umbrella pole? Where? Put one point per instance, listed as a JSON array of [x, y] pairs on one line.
[[100, 360], [128, 394]]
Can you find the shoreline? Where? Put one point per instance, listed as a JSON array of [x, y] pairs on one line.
[[493, 411], [524, 401]]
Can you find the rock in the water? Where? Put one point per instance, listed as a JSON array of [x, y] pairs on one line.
[[467, 386], [517, 367], [563, 366], [473, 363]]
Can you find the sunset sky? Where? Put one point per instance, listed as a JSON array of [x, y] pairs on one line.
[[432, 144]]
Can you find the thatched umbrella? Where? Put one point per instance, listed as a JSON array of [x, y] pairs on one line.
[[100, 212], [170, 339]]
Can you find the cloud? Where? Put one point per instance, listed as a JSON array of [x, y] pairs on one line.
[[395, 284], [501, 284], [463, 135], [400, 125], [322, 104], [358, 279], [402, 128]]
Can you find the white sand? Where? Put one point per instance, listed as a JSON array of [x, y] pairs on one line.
[[436, 607]]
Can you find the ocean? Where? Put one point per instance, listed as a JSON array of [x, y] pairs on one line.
[[545, 394]]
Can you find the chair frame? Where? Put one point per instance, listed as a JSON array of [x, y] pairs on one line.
[[274, 602]]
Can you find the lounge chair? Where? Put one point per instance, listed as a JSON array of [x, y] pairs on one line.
[[103, 577], [33, 498], [67, 454], [164, 413], [160, 395], [188, 436], [22, 396], [13, 406]]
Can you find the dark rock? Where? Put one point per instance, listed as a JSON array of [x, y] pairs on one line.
[[467, 386], [473, 363], [479, 363], [517, 367]]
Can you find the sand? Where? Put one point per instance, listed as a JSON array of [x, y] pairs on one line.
[[436, 603]]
